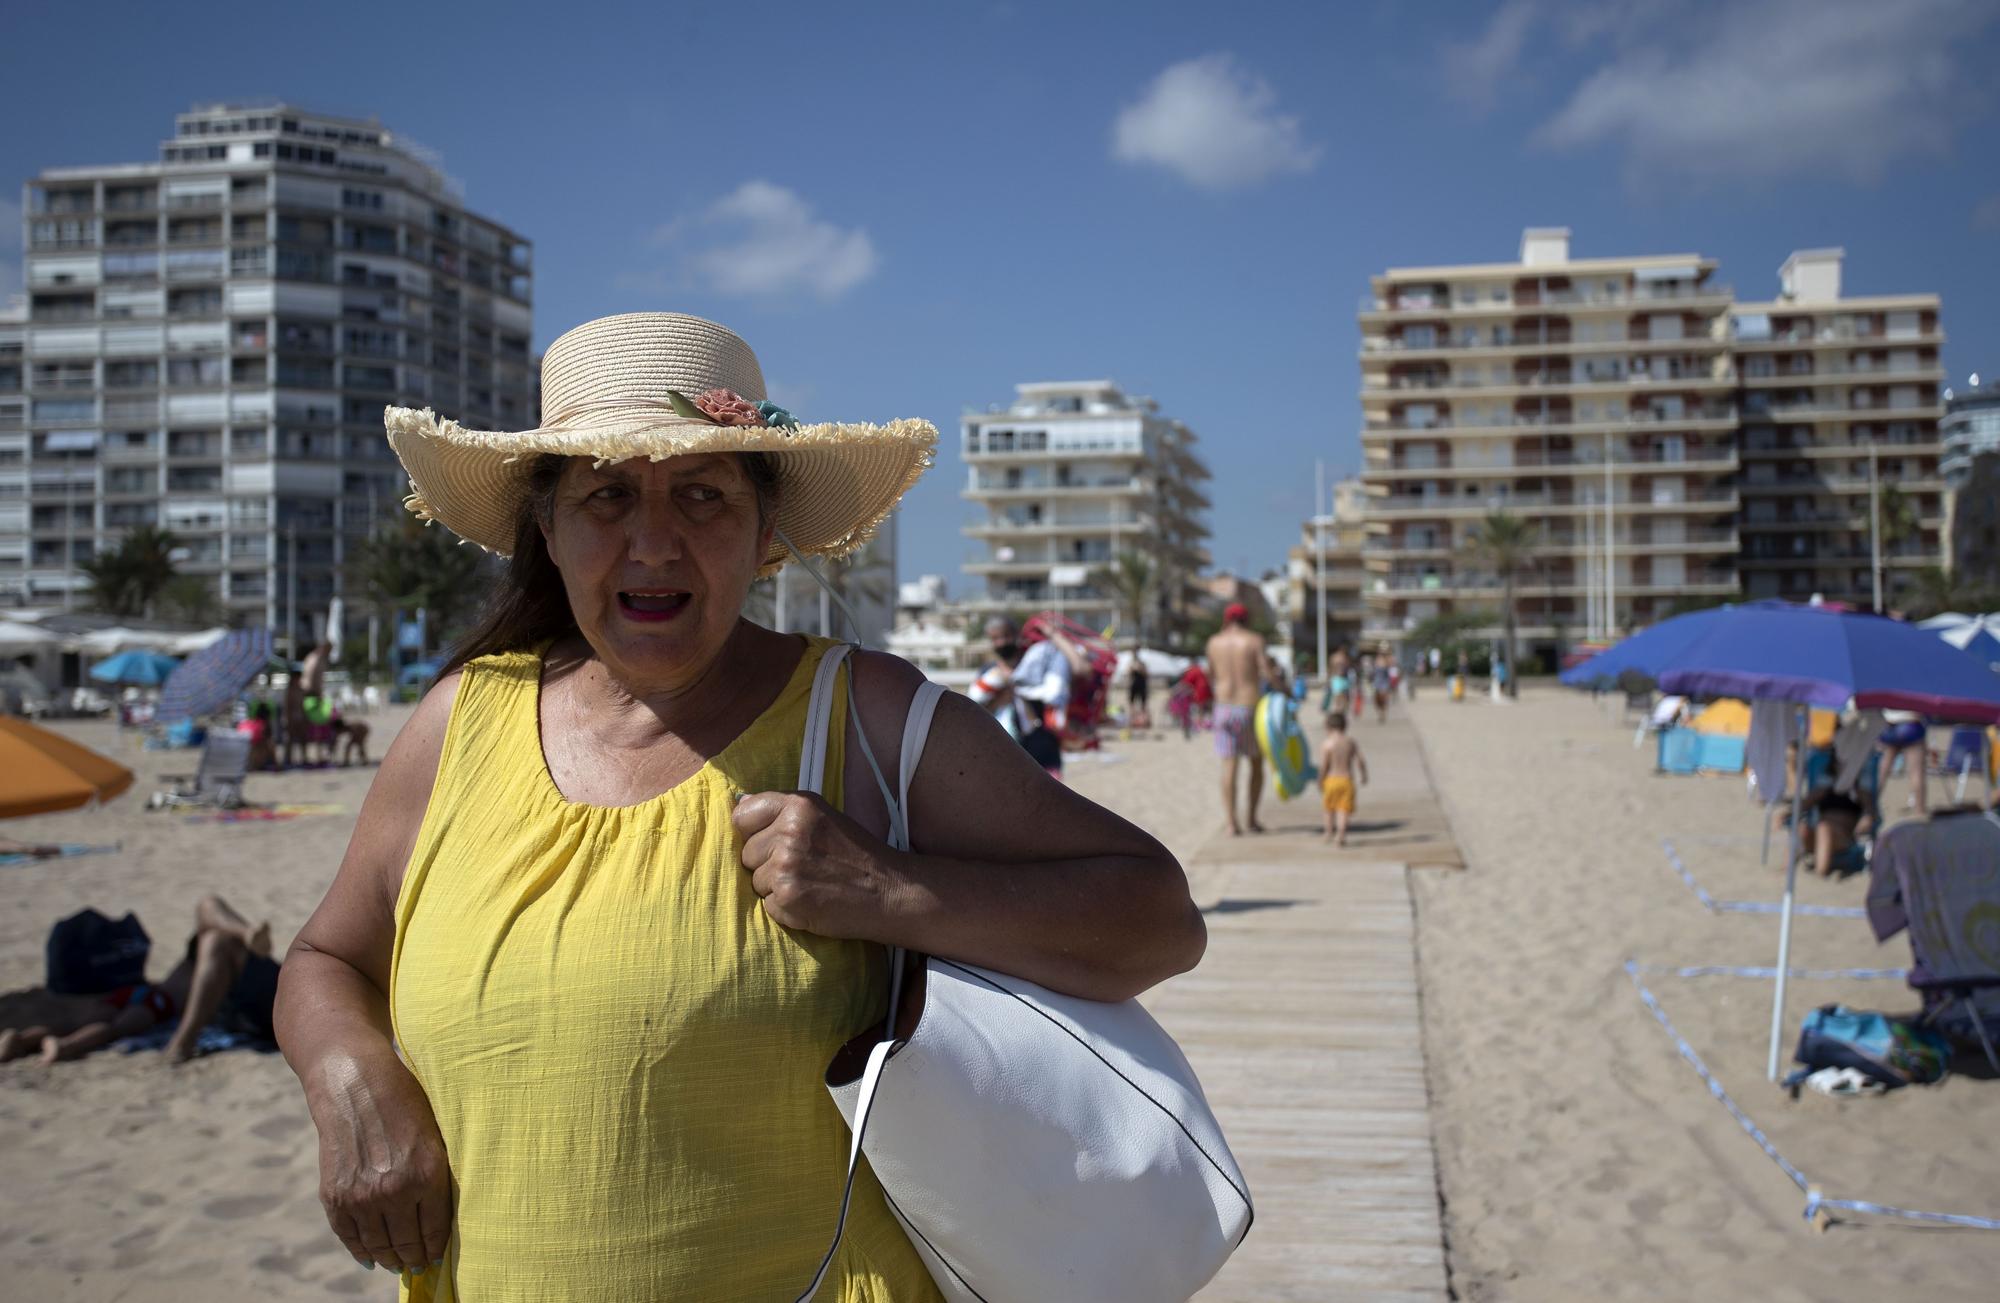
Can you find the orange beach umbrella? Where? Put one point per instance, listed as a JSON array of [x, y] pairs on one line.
[[41, 772]]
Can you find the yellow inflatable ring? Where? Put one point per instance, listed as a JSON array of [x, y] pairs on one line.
[[1283, 743]]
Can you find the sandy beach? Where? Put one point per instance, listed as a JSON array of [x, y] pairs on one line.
[[130, 1180], [1579, 1157]]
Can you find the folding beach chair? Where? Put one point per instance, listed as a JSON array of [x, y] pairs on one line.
[[1965, 756], [1940, 877], [217, 781]]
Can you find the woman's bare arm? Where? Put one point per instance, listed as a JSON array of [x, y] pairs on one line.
[[1013, 871], [383, 1174]]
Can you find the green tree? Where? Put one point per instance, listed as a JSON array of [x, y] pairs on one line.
[[1452, 632], [1502, 544], [1129, 580], [192, 599], [1934, 591], [407, 564], [128, 580]]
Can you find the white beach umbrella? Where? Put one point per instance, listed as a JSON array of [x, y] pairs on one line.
[[1978, 635]]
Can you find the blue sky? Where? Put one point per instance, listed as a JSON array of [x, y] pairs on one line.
[[906, 208]]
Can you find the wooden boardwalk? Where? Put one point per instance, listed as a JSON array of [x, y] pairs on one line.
[[1304, 1023]]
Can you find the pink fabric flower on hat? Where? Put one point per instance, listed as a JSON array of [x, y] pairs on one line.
[[725, 407]]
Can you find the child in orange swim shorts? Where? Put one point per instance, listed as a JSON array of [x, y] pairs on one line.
[[1340, 760]]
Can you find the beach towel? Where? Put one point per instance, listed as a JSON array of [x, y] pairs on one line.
[[213, 1040], [67, 849], [261, 813]]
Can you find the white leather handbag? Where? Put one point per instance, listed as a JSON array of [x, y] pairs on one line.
[[1036, 1147]]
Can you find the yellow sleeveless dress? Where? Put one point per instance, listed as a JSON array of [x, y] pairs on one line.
[[624, 1052]]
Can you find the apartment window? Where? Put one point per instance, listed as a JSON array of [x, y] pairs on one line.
[[249, 444], [194, 303], [305, 337], [131, 374], [194, 372]]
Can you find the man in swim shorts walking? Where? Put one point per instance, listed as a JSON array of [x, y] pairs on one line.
[[1237, 664]]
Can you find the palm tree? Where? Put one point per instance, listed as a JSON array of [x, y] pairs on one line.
[[192, 598], [1129, 579], [410, 565], [127, 580], [1503, 544]]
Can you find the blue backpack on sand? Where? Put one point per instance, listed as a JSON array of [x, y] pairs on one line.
[[1879, 1047]]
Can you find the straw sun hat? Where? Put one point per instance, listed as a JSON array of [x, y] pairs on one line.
[[657, 385]]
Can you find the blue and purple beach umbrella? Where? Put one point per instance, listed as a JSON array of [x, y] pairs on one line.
[[1821, 656]]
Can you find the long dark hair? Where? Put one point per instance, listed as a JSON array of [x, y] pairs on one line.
[[529, 606]]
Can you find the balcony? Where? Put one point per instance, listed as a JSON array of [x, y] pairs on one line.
[[1840, 412], [1634, 299], [1696, 461], [1704, 502], [983, 489], [1719, 417]]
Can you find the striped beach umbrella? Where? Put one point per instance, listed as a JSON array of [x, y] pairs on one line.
[[213, 677]]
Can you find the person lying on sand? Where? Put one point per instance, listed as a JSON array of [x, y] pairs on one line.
[[227, 977]]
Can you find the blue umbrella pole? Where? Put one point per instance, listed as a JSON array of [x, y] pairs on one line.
[[1791, 882]]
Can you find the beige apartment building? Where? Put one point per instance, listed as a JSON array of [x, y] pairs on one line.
[[1068, 476], [1594, 397], [1668, 444], [1829, 384]]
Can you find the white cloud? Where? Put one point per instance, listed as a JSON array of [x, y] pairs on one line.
[[1213, 123], [1746, 89], [1476, 70], [10, 250], [763, 240]]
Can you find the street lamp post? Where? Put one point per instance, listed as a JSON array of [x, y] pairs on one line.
[[1319, 550], [1874, 523]]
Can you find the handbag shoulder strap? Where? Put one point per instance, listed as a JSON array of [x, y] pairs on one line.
[[916, 731], [819, 719]]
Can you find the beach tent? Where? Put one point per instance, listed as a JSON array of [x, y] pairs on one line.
[[17, 638], [1727, 717], [41, 772], [1819, 657]]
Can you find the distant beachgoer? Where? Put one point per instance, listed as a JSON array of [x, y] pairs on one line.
[[351, 735], [1030, 697], [227, 977], [257, 727], [1137, 688], [296, 723], [1384, 685], [1907, 739], [1241, 667], [1340, 760], [564, 1016]]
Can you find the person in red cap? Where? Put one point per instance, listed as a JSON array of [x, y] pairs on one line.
[[1237, 665]]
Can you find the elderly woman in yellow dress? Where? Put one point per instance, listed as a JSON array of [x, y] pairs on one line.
[[563, 1017]]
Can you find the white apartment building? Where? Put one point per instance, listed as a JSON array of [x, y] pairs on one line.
[[1838, 394], [211, 339], [1342, 536], [1069, 476], [1667, 442]]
